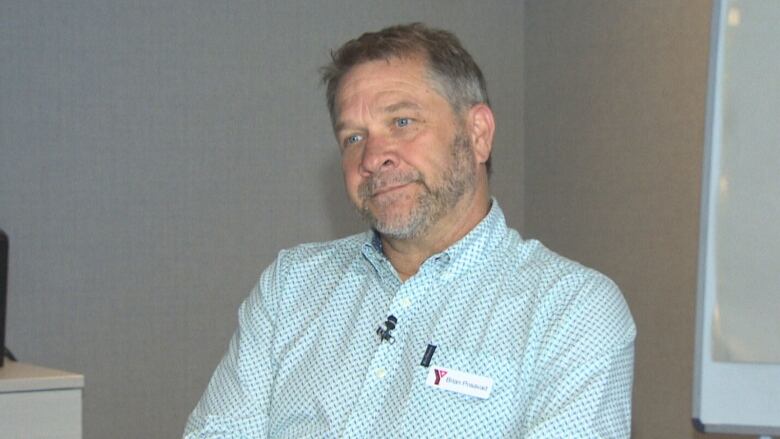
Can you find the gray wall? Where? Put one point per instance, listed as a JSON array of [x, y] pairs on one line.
[[155, 156], [616, 99], [153, 159]]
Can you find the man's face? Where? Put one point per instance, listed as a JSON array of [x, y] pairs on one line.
[[405, 156]]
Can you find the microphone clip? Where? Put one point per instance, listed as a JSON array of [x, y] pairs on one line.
[[384, 333]]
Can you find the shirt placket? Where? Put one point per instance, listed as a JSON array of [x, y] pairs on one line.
[[387, 362]]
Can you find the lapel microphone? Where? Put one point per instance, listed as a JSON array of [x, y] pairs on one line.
[[384, 334]]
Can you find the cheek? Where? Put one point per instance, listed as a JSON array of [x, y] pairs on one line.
[[350, 161], [352, 177]]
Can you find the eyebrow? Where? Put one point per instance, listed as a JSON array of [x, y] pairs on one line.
[[392, 108], [339, 126], [403, 105]]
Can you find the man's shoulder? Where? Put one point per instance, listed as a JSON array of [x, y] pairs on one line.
[[309, 270], [533, 257], [312, 254], [556, 277]]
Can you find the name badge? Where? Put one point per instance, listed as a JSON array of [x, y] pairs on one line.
[[459, 382]]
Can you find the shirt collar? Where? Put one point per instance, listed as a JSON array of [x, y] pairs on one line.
[[372, 251], [478, 244], [457, 258]]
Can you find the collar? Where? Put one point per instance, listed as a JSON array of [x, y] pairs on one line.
[[455, 260]]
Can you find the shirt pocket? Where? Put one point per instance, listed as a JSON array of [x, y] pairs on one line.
[[438, 412]]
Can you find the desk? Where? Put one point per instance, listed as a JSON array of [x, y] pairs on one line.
[[39, 403]]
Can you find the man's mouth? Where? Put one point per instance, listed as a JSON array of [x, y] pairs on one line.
[[389, 188], [378, 186]]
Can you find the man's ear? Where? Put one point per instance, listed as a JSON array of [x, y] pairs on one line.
[[481, 126]]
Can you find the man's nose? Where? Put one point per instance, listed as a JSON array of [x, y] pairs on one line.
[[379, 153]]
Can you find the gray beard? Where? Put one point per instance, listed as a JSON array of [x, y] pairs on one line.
[[432, 204]]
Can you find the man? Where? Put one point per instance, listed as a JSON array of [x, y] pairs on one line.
[[440, 321]]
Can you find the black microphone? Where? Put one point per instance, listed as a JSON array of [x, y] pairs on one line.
[[384, 334]]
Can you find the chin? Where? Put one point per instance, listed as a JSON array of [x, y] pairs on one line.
[[397, 210]]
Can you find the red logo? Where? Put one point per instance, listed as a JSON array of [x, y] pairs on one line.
[[439, 375]]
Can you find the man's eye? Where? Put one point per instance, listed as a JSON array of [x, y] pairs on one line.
[[403, 122], [354, 138]]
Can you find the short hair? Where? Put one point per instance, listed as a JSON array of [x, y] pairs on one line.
[[451, 69]]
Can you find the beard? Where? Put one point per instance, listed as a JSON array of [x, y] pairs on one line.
[[429, 205]]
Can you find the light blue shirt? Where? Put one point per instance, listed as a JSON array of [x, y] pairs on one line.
[[556, 340]]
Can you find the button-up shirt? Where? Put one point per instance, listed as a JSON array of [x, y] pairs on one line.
[[553, 339]]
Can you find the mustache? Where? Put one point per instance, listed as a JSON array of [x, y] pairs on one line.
[[378, 182]]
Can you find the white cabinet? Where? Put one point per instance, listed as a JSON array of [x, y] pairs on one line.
[[39, 403]]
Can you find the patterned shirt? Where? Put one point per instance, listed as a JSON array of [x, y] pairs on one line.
[[534, 345]]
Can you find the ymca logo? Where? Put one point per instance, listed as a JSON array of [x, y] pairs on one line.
[[439, 375]]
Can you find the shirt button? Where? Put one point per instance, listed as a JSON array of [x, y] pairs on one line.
[[406, 302], [380, 373]]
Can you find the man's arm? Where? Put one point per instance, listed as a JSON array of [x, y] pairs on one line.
[[236, 402], [586, 367]]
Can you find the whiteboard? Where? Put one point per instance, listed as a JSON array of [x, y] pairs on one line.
[[737, 359]]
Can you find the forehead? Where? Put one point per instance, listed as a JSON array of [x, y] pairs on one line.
[[383, 80]]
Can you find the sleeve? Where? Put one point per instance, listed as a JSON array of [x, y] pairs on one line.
[[235, 404], [586, 366]]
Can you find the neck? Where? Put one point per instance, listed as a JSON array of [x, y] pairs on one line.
[[407, 255]]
